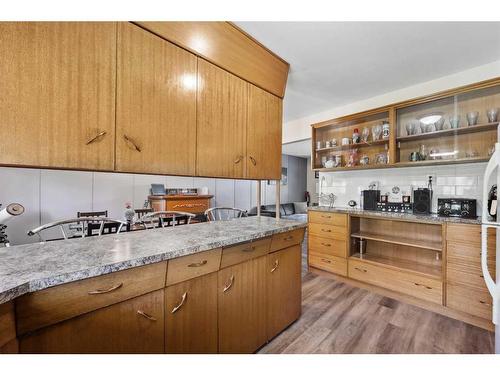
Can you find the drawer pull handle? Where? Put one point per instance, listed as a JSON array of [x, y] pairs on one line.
[[96, 137], [103, 291], [425, 286], [326, 230], [183, 299], [326, 217], [238, 159], [326, 244], [199, 264], [227, 287], [360, 269], [248, 249], [147, 316], [326, 261], [131, 143], [485, 303], [276, 264], [289, 238], [254, 162]]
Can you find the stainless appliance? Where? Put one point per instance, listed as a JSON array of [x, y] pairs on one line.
[[457, 207]]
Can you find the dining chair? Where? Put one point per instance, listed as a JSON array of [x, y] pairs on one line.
[[224, 213], [81, 227], [165, 218]]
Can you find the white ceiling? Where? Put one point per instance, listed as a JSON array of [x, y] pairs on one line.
[[300, 148], [336, 63]]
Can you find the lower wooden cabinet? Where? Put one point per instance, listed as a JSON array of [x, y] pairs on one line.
[[284, 293], [132, 326], [242, 306], [191, 316]]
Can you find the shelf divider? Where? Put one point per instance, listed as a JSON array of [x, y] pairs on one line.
[[429, 245]]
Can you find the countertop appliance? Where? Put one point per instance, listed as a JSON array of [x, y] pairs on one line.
[[397, 207], [492, 170], [457, 207], [422, 200], [370, 199]]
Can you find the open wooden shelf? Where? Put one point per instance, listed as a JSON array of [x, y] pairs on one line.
[[352, 146], [449, 132], [427, 270], [441, 161], [430, 245], [356, 167]]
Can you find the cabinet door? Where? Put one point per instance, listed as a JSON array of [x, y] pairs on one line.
[[156, 104], [133, 326], [242, 307], [263, 135], [221, 129], [57, 81], [284, 290], [191, 316]]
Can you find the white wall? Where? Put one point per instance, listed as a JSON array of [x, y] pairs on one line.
[[301, 128], [461, 181], [312, 183], [50, 195]]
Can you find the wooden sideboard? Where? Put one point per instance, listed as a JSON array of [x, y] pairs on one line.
[[434, 265], [226, 300], [116, 96], [196, 204]]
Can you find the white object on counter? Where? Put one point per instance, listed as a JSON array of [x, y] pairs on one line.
[[203, 190], [12, 210]]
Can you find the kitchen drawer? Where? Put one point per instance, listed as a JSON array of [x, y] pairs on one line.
[[52, 305], [467, 273], [188, 205], [7, 323], [287, 239], [472, 301], [328, 218], [328, 263], [327, 231], [399, 281], [191, 266], [327, 246], [470, 233], [470, 252], [245, 251]]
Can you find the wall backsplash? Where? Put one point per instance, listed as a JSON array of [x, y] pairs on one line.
[[50, 195], [461, 181]]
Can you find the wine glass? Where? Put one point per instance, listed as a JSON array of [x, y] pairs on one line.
[[376, 132]]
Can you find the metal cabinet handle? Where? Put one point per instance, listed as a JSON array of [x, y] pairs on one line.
[[248, 249], [360, 269], [326, 230], [227, 287], [326, 261], [199, 264], [131, 143], [326, 244], [184, 296], [484, 303], [425, 286], [238, 159], [276, 264], [254, 162], [147, 316], [95, 138], [326, 216], [289, 238], [103, 291]]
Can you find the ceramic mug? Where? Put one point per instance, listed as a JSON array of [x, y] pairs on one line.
[[346, 141]]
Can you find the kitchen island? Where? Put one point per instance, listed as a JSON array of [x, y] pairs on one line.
[[204, 288]]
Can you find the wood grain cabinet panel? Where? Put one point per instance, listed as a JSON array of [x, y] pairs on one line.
[[191, 316], [287, 239], [328, 218], [327, 246], [191, 266], [7, 323], [221, 123], [328, 231], [327, 262], [57, 81], [284, 291], [133, 326], [156, 104], [263, 135], [474, 301], [242, 306]]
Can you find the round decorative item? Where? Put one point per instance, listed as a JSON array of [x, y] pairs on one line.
[[352, 203]]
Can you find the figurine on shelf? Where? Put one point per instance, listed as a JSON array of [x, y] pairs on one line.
[[385, 130], [353, 158], [355, 136]]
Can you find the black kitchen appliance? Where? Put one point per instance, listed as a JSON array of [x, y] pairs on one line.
[[422, 198], [398, 207], [370, 199], [457, 207]]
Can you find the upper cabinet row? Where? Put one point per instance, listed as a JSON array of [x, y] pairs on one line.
[[113, 96]]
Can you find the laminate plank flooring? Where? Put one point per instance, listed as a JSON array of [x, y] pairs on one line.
[[339, 318]]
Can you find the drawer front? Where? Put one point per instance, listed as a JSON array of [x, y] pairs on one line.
[[328, 231], [472, 301], [7, 323], [470, 252], [191, 266], [328, 263], [327, 246], [328, 218], [470, 233], [398, 281], [287, 239], [467, 273], [188, 205], [62, 302], [240, 253]]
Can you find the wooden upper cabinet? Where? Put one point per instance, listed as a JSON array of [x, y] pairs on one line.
[[222, 117], [57, 81], [156, 104], [263, 135]]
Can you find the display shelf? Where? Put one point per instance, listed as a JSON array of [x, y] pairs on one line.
[[449, 132], [352, 146], [423, 244], [356, 167], [441, 162], [427, 270]]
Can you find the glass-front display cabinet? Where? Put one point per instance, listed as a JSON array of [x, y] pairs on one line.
[[454, 126]]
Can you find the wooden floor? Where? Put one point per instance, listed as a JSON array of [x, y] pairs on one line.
[[339, 318]]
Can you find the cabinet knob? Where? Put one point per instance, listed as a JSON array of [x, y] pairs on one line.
[[96, 137], [183, 299], [131, 143], [254, 162]]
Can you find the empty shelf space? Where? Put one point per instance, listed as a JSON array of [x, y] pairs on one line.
[[431, 245]]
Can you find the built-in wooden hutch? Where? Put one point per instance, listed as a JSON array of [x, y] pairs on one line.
[[453, 126]]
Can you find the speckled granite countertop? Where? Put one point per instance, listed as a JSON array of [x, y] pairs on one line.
[[432, 218], [32, 267]]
